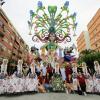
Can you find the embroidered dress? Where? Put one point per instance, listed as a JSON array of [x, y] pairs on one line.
[[57, 82], [89, 85]]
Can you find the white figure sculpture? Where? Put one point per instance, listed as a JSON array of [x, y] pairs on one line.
[[4, 66], [97, 67], [19, 66], [32, 67], [84, 68]]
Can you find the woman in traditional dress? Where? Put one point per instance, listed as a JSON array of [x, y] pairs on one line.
[[57, 82]]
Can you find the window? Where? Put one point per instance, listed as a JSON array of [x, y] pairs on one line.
[[1, 24], [6, 30], [9, 51], [96, 45], [11, 44], [12, 37], [5, 39], [1, 46], [4, 48], [95, 39]]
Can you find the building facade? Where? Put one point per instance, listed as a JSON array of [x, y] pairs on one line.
[[12, 46], [83, 41], [94, 31]]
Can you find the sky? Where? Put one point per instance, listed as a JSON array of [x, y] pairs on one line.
[[18, 13]]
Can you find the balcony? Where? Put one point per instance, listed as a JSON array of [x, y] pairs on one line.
[[15, 51], [17, 40], [16, 46]]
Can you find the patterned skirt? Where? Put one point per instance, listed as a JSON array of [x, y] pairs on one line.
[[57, 83]]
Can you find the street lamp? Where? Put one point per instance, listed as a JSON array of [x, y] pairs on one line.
[[1, 2]]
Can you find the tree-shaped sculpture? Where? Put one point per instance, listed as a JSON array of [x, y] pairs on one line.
[[53, 27]]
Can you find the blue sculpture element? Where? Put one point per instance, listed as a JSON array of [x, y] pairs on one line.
[[31, 12], [75, 24], [74, 15], [66, 4], [40, 5]]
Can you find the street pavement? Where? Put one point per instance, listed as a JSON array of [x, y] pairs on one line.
[[51, 96]]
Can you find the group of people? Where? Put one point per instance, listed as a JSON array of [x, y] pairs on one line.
[[42, 77]]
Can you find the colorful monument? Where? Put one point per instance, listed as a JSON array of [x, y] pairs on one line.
[[52, 27]]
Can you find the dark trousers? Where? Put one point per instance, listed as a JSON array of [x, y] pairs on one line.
[[83, 87]]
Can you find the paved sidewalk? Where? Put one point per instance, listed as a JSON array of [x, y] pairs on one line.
[[52, 96]]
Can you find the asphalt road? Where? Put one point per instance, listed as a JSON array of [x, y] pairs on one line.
[[51, 96]]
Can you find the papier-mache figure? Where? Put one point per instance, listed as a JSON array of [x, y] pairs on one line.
[[85, 71], [97, 67], [19, 68], [32, 67], [4, 66], [3, 75]]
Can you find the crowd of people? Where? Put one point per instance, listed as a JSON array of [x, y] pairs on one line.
[[42, 77]]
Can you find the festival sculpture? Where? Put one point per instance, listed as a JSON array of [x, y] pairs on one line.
[[52, 27]]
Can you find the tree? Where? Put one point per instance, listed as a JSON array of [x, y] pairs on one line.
[[89, 56]]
